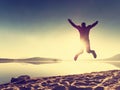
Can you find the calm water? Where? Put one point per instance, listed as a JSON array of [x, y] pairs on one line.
[[8, 70]]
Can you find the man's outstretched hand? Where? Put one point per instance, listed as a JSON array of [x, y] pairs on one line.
[[69, 20], [97, 22]]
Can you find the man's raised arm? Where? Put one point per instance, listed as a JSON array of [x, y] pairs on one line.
[[74, 25], [94, 24]]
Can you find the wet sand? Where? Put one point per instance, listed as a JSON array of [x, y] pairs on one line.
[[104, 80]]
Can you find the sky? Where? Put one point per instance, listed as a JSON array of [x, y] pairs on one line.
[[39, 28]]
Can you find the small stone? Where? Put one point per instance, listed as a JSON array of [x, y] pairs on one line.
[[85, 88], [59, 88], [25, 88], [117, 88], [72, 88], [79, 88], [24, 77], [100, 88], [21, 79], [13, 80], [54, 85], [44, 84]]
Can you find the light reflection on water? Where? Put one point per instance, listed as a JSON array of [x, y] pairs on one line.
[[8, 70]]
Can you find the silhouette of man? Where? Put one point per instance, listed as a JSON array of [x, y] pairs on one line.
[[84, 37]]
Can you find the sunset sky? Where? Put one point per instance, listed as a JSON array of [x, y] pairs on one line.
[[39, 28]]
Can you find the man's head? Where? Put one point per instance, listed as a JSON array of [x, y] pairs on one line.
[[83, 24]]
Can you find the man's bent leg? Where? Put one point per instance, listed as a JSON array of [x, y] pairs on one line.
[[76, 56], [89, 50]]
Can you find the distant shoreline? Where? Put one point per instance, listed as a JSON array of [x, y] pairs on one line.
[[34, 60]]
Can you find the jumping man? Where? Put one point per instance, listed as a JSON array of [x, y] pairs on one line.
[[84, 37]]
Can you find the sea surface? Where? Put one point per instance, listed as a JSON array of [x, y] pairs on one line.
[[9, 70]]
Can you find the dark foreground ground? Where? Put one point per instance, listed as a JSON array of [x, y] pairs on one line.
[[104, 80]]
